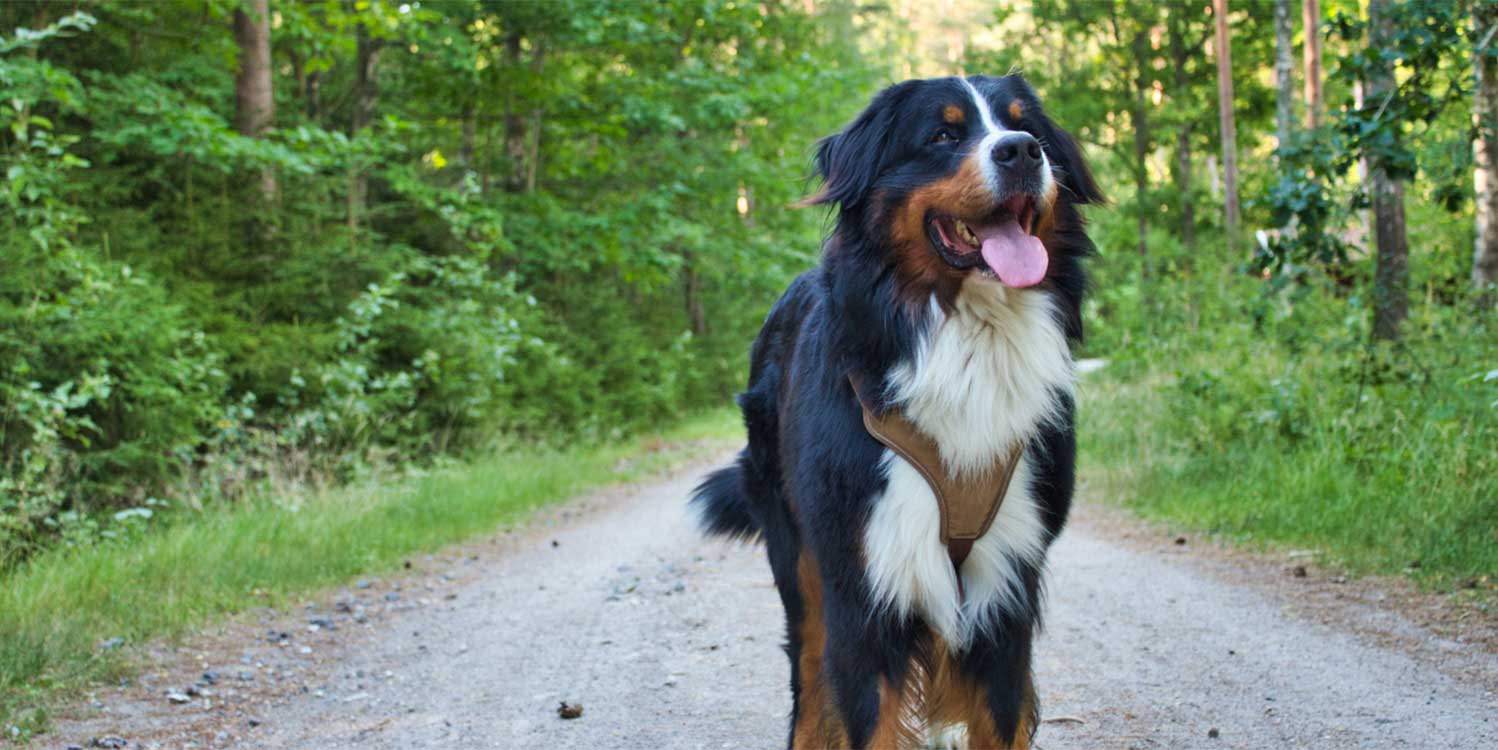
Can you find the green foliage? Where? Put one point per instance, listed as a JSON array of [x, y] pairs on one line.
[[491, 220], [1261, 411]]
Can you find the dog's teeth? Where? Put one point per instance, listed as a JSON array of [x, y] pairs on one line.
[[966, 233]]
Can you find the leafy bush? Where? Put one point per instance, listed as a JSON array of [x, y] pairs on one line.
[[1255, 405], [107, 390]]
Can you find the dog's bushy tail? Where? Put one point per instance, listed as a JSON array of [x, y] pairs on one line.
[[733, 499], [722, 505]]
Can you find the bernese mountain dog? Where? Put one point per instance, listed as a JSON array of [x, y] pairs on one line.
[[949, 291]]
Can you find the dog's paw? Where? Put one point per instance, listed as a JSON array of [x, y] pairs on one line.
[[947, 737]]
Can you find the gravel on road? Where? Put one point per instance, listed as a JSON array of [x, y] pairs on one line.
[[617, 626]]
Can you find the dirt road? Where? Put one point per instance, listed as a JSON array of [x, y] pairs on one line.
[[671, 641]]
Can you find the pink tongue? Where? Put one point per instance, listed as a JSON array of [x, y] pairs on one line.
[[1015, 255]]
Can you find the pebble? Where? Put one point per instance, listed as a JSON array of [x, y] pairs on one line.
[[177, 697], [111, 644], [363, 584]]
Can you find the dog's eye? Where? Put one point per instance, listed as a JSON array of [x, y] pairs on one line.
[[944, 135]]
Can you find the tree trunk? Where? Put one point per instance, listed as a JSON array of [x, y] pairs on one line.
[[515, 141], [1485, 151], [1284, 72], [366, 94], [254, 100], [692, 293], [1311, 20], [470, 129], [1140, 116], [533, 148], [1181, 172], [1391, 277], [312, 93], [1225, 112], [307, 84]]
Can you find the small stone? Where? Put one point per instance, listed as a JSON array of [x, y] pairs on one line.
[[178, 698], [252, 722], [210, 677], [363, 584], [1180, 541], [569, 710], [1213, 733], [111, 644], [392, 596], [1298, 571], [246, 676]]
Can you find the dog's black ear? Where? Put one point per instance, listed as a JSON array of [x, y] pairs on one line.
[[1071, 165], [850, 161]]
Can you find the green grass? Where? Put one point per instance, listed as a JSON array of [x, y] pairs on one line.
[[55, 611], [1418, 502]]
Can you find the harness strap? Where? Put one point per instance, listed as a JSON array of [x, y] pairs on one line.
[[968, 502]]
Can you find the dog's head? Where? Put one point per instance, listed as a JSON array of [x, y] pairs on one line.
[[949, 177]]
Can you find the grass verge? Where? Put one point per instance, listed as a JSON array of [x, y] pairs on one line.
[[1420, 511], [56, 611]]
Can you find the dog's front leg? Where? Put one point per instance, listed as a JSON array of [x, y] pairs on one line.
[[993, 679], [867, 661]]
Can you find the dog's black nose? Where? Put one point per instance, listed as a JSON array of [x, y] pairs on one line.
[[1017, 151]]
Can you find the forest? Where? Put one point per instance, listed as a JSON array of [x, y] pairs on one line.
[[254, 246]]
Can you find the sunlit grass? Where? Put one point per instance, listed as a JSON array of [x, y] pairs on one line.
[[57, 610], [1417, 512]]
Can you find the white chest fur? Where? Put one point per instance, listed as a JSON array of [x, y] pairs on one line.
[[984, 378]]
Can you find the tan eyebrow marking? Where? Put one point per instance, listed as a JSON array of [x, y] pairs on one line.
[[1016, 109], [953, 114]]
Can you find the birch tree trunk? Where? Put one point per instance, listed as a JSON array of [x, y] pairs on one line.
[[1141, 124], [1225, 113], [1284, 71], [1391, 277], [1485, 151], [1181, 171]]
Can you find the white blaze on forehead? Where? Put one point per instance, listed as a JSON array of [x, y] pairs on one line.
[[992, 132]]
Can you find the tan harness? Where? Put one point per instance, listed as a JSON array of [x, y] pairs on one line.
[[968, 503]]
